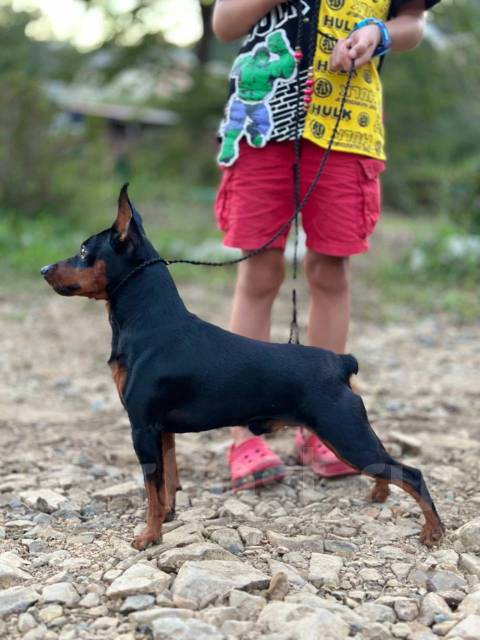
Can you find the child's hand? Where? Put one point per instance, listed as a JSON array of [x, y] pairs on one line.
[[359, 46]]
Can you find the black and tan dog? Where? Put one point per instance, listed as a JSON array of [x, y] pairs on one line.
[[176, 373]]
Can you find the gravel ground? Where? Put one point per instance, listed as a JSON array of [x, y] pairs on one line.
[[304, 559]]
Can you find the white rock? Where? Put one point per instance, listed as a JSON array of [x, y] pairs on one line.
[[137, 603], [247, 604], [130, 488], [469, 535], [173, 559], [297, 543], [467, 629], [90, 600], [375, 612], [26, 622], [316, 602], [470, 563], [324, 570], [218, 615], [205, 581], [471, 604], [432, 605], [370, 575], [139, 578], [62, 592], [49, 613], [17, 599], [11, 575], [294, 578], [147, 616], [43, 500], [250, 535], [192, 629], [301, 622], [235, 508]]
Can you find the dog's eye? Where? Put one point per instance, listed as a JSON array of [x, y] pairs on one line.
[[83, 252]]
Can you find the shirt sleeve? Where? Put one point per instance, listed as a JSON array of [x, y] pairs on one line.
[[398, 4]]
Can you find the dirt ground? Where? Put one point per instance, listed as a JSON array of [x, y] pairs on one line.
[[62, 428]]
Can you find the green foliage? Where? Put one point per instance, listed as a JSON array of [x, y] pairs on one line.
[[44, 167], [432, 115]]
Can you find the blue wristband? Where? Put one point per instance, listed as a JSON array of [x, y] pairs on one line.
[[386, 40]]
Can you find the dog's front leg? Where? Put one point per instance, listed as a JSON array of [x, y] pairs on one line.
[[149, 449], [170, 472]]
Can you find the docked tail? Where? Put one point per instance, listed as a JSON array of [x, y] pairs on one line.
[[350, 366]]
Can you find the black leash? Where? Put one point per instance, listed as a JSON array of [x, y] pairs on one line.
[[299, 203]]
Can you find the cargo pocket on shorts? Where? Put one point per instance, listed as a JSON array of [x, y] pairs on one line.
[[223, 200], [370, 170]]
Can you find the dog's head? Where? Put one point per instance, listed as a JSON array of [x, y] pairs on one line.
[[105, 258]]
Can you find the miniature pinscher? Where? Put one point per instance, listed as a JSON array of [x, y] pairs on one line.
[[176, 373]]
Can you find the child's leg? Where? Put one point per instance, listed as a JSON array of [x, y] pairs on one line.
[[328, 279], [258, 282]]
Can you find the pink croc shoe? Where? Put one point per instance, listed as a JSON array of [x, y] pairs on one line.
[[253, 464], [311, 451]]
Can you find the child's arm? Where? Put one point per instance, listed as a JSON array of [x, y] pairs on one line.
[[234, 18], [406, 31]]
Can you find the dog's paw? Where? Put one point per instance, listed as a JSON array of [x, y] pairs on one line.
[[431, 534], [146, 538], [380, 492], [170, 515]]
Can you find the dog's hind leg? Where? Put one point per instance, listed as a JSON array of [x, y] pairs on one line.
[[149, 449], [343, 426], [171, 473]]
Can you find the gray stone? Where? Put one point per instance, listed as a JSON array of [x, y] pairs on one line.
[[375, 612], [62, 592], [432, 605], [247, 604], [471, 604], [173, 559], [139, 579], [470, 563], [316, 602], [125, 489], [294, 578], [26, 622], [296, 543], [370, 575], [105, 622], [237, 628], [11, 575], [376, 631], [340, 547], [324, 570], [205, 581], [301, 622], [235, 509], [445, 580], [17, 599], [469, 535], [39, 633], [137, 603], [49, 613], [90, 600], [43, 500], [227, 538], [147, 616], [180, 537], [192, 629], [406, 610], [218, 615], [467, 629], [250, 535]]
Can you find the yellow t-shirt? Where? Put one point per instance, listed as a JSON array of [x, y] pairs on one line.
[[361, 128]]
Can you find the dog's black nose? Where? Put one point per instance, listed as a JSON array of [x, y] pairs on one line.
[[46, 269]]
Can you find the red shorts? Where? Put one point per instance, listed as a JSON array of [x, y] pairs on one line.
[[256, 197]]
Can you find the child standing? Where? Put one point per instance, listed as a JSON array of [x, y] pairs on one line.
[[256, 195]]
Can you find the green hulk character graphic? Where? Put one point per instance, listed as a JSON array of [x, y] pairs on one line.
[[248, 109]]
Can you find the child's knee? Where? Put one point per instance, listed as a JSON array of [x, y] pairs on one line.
[[329, 274], [263, 275]]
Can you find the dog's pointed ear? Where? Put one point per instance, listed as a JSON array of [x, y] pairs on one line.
[[124, 213]]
